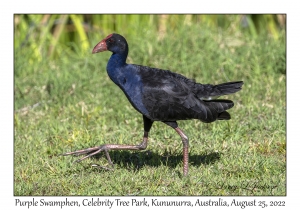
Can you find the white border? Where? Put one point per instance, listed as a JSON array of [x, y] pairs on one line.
[[138, 6]]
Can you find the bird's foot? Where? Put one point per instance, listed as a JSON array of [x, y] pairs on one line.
[[90, 151]]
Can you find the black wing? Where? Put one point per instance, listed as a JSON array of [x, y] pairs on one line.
[[169, 97]]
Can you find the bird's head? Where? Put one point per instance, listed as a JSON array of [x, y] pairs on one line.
[[114, 43]]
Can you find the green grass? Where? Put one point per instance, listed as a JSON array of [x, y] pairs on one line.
[[70, 103]]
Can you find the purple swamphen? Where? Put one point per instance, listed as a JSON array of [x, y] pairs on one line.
[[160, 95]]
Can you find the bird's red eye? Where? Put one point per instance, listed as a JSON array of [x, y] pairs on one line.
[[110, 40]]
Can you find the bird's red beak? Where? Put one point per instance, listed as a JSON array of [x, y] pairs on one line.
[[100, 47]]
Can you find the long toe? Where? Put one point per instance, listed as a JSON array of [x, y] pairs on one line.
[[89, 155], [81, 152]]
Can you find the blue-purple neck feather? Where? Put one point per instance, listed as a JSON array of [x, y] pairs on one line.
[[115, 65], [127, 77]]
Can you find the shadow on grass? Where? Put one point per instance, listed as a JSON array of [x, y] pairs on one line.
[[137, 160]]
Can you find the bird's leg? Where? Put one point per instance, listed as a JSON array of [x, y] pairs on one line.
[[106, 147], [185, 142]]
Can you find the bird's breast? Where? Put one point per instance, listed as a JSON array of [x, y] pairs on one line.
[[132, 86]]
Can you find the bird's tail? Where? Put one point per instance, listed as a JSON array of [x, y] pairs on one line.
[[225, 89], [216, 109], [228, 87], [224, 116], [208, 92]]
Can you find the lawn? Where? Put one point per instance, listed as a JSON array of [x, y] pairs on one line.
[[69, 103]]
